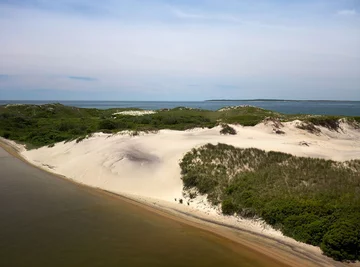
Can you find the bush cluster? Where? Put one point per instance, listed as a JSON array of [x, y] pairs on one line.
[[308, 126], [314, 201], [226, 129], [329, 122]]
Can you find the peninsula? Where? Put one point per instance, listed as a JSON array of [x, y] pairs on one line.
[[285, 177]]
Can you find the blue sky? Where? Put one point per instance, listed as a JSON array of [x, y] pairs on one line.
[[179, 50]]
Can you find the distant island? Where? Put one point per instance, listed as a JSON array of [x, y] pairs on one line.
[[275, 100]]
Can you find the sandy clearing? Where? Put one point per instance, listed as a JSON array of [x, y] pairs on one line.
[[135, 112]]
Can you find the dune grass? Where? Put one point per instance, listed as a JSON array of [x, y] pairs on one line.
[[315, 201]]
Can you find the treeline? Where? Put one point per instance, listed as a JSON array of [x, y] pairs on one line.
[[314, 201]]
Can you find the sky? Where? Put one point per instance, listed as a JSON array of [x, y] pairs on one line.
[[179, 50]]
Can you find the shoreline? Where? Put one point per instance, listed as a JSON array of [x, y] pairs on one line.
[[290, 253]]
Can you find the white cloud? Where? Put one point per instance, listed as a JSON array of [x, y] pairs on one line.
[[347, 12]]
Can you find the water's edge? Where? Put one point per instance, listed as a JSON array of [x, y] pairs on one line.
[[265, 245]]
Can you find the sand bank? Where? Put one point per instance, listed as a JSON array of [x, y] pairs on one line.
[[135, 112], [146, 169]]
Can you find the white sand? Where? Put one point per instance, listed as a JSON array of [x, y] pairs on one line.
[[147, 166], [236, 107], [135, 112]]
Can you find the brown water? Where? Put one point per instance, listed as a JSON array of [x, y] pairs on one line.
[[48, 221]]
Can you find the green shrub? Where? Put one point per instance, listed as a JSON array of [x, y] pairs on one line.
[[66, 126], [226, 129], [331, 123], [107, 124], [308, 126], [6, 135], [306, 227], [342, 242], [228, 207]]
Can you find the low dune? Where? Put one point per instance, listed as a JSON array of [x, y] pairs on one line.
[[135, 112]]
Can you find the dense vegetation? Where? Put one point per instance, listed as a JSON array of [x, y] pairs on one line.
[[47, 124], [315, 201], [39, 125]]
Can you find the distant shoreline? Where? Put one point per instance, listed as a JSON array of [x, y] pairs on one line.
[[284, 106], [173, 101], [275, 100]]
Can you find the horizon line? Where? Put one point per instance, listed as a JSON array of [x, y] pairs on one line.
[[206, 100]]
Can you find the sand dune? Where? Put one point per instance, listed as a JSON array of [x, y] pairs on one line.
[[146, 167]]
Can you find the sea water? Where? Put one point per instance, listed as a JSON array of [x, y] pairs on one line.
[[345, 108]]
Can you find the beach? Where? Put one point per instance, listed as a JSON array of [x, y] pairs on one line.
[[51, 221], [145, 169]]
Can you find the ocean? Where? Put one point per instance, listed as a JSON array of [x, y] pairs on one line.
[[345, 108]]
